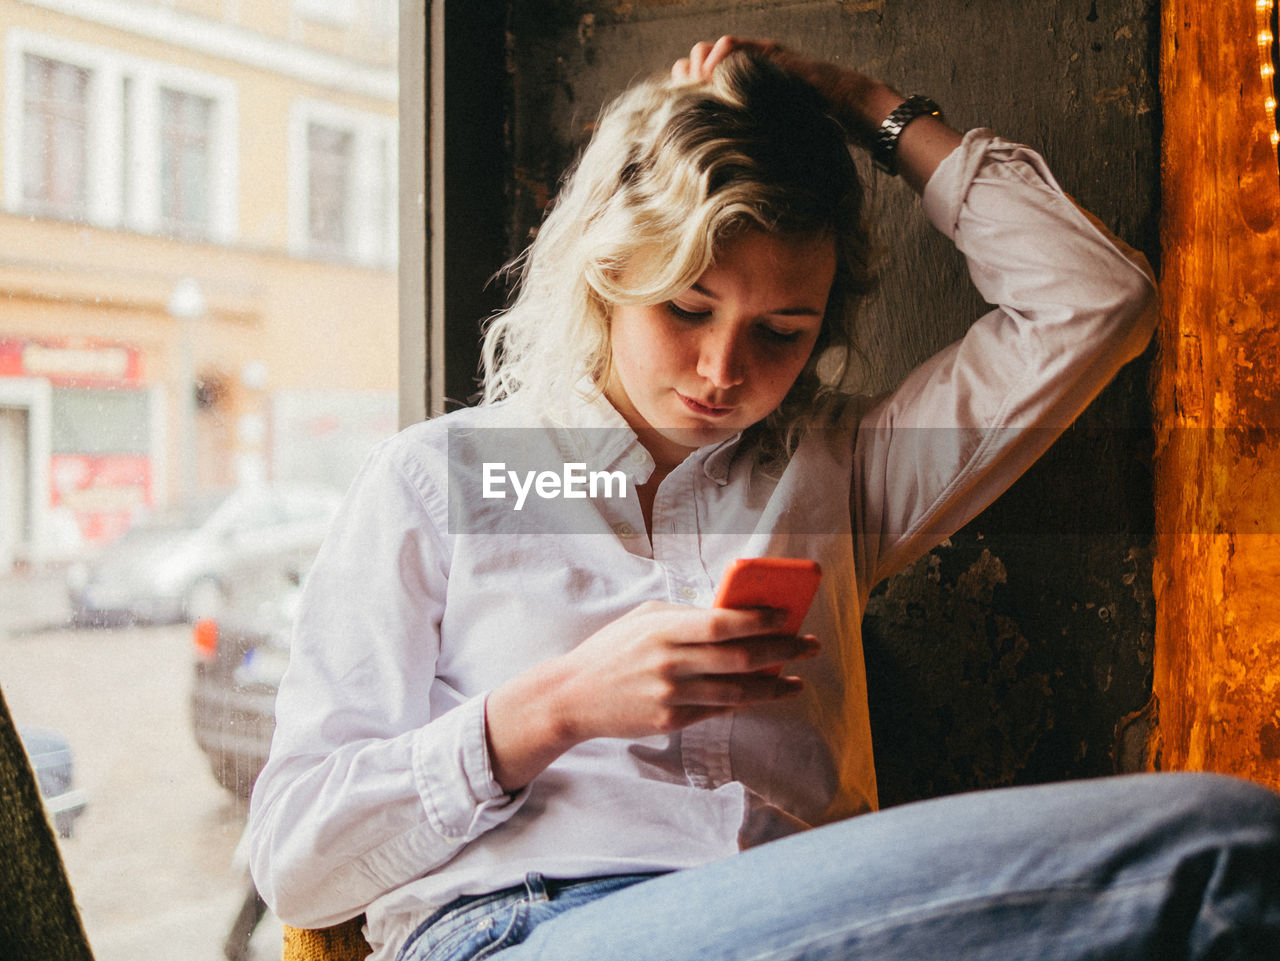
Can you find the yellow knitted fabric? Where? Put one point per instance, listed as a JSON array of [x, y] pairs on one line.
[[342, 942]]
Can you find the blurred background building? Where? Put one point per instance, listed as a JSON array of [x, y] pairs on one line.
[[198, 242]]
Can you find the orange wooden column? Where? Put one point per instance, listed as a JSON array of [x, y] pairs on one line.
[[1217, 396]]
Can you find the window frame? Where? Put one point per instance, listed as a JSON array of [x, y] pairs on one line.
[[175, 135], [111, 201], [415, 355], [52, 206], [454, 163], [369, 242]]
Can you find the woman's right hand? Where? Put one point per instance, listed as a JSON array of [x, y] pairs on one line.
[[860, 103], [656, 669]]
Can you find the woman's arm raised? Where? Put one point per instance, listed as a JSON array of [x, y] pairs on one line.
[[1074, 305]]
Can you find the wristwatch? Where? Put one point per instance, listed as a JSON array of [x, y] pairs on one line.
[[884, 151]]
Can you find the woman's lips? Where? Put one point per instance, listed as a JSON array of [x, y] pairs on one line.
[[705, 410]]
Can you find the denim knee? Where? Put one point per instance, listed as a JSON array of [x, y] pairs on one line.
[[1231, 805], [1232, 886]]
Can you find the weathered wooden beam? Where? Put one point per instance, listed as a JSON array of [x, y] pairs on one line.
[[1217, 396]]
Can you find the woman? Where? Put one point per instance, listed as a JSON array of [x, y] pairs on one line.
[[513, 723]]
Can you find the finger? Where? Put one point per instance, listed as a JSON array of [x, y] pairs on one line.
[[680, 69], [681, 624], [719, 50], [729, 624], [697, 59], [735, 690], [749, 655], [728, 44]]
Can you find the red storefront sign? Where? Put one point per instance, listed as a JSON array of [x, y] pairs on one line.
[[72, 362], [103, 490]]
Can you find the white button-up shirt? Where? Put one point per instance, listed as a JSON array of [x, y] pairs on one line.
[[432, 590]]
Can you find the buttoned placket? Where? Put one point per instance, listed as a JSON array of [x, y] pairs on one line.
[[674, 543], [704, 747], [624, 516], [609, 447]]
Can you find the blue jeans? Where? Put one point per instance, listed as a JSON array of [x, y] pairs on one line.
[[1143, 867]]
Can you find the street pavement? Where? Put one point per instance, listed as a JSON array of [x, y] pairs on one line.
[[33, 600], [151, 859]]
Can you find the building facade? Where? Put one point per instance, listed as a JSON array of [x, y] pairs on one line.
[[197, 253]]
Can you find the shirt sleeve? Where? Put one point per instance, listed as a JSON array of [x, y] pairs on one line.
[[1073, 305], [379, 772]]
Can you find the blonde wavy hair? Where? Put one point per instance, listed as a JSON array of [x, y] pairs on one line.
[[673, 169]]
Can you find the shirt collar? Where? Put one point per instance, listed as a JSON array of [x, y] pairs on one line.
[[600, 437], [597, 435], [719, 457]]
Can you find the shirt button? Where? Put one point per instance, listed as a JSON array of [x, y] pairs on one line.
[[638, 456], [623, 529], [688, 593]]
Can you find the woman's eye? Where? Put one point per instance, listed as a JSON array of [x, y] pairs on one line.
[[780, 336], [683, 314]]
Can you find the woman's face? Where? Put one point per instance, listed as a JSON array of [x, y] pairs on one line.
[[721, 355]]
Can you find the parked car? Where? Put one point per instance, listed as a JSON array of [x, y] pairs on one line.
[[50, 755], [240, 657], [179, 564]]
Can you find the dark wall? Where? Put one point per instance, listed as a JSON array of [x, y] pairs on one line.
[[1016, 651]]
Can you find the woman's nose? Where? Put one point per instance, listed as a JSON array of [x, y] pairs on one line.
[[720, 358]]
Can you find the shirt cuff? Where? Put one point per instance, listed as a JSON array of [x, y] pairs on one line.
[[945, 193], [454, 778]]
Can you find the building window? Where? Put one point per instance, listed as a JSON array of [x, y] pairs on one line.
[[186, 141], [116, 140], [343, 184], [329, 168], [55, 137]]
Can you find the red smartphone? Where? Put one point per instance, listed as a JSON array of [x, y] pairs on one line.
[[788, 583]]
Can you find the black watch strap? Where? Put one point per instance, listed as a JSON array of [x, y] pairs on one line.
[[884, 151]]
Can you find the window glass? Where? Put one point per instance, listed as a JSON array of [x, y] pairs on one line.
[[185, 145], [55, 111], [329, 159], [127, 153], [343, 184], [198, 348]]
